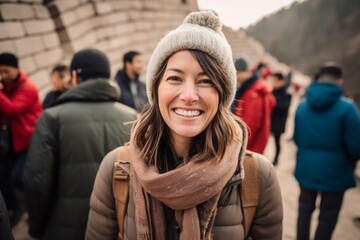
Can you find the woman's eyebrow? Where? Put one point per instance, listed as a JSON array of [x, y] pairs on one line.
[[182, 72]]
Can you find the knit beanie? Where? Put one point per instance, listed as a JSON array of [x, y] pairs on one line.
[[9, 59], [200, 31], [90, 64]]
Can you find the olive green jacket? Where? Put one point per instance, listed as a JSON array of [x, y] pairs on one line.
[[67, 147]]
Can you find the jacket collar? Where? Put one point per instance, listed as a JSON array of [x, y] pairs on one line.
[[92, 90]]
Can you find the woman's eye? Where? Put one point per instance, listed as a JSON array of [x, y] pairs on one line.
[[205, 81], [173, 78]]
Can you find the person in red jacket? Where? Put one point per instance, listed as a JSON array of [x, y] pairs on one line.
[[254, 103], [20, 107]]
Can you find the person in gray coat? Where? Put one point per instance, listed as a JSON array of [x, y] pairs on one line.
[[68, 144]]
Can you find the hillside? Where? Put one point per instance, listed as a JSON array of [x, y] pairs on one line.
[[312, 32]]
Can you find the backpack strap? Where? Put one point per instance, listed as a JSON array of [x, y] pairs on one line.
[[250, 190], [120, 184]]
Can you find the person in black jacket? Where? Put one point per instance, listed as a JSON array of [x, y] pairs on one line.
[[280, 113], [60, 77], [133, 91]]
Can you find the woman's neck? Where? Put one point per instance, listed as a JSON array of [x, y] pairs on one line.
[[181, 145]]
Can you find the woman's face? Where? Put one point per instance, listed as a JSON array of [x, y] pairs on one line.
[[188, 101]]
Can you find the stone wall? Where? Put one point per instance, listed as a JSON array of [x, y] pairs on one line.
[[44, 33], [47, 32]]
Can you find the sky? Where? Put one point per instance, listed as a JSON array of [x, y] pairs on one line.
[[242, 13]]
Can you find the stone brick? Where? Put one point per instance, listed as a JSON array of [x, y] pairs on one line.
[[125, 28], [41, 79], [32, 1], [115, 43], [103, 7], [86, 41], [29, 45], [51, 40], [69, 17], [154, 5], [143, 25], [113, 18], [105, 32], [122, 5], [17, 11], [126, 40], [79, 29], [27, 64], [102, 46], [113, 56], [41, 11], [85, 11], [64, 5], [48, 58], [140, 36], [11, 29], [135, 15], [96, 21], [7, 46], [39, 26], [150, 15], [137, 4]]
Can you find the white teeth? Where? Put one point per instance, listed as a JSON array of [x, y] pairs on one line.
[[185, 113]]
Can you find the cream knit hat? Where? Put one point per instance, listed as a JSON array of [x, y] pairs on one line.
[[200, 31]]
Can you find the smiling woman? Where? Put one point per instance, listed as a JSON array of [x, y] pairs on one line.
[[186, 151]]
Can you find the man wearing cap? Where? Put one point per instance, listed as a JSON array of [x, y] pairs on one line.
[[254, 103], [69, 142], [20, 108]]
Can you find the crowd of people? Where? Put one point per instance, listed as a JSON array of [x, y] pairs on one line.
[[183, 144]]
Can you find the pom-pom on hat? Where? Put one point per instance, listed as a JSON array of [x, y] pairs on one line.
[[200, 31]]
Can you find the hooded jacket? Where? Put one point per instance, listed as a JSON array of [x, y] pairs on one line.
[[254, 107], [267, 223], [327, 133], [69, 142], [20, 103]]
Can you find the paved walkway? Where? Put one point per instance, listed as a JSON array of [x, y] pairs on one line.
[[345, 230]]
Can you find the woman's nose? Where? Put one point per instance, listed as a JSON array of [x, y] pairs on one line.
[[189, 93]]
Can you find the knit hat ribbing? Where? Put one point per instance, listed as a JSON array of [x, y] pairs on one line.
[[200, 31]]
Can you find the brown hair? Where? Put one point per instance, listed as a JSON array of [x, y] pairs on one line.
[[152, 135]]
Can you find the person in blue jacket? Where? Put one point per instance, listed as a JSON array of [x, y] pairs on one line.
[[327, 133]]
